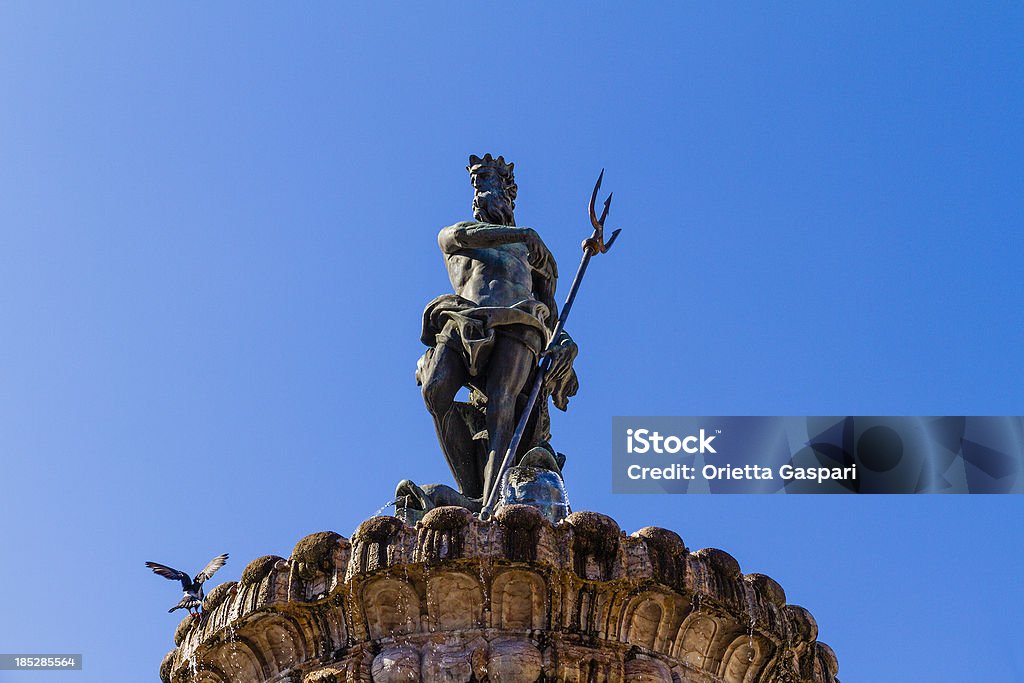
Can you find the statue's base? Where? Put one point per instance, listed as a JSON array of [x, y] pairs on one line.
[[455, 599]]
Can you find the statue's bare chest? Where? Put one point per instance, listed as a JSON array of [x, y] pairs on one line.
[[509, 262]]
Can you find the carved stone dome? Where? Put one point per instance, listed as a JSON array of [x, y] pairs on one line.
[[519, 599]]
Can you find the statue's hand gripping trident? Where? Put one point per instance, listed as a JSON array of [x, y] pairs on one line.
[[592, 246]]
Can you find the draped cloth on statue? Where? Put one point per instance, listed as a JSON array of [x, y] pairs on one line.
[[472, 330]]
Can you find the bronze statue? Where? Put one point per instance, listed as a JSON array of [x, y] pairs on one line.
[[489, 336], [499, 336]]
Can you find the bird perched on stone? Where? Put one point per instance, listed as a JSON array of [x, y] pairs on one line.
[[193, 587]]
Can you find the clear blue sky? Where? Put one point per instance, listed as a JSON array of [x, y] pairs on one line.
[[217, 234]]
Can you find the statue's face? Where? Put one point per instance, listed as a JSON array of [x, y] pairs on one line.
[[491, 202]]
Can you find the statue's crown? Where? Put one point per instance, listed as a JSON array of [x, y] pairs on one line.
[[499, 165]]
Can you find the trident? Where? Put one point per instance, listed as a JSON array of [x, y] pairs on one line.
[[592, 246]]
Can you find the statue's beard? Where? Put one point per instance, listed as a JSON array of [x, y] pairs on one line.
[[493, 207]]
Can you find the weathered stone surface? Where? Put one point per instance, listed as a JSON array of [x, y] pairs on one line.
[[397, 665], [219, 595], [595, 545], [376, 545], [827, 659], [447, 518], [767, 587], [454, 663], [327, 674], [456, 600], [183, 628], [258, 569], [521, 524], [317, 565], [667, 554], [378, 529], [317, 551], [801, 622], [442, 534], [165, 666], [643, 669], [514, 660]]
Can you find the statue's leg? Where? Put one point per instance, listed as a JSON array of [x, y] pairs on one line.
[[444, 376], [509, 367]]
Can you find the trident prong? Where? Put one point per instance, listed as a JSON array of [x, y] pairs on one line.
[[595, 244]]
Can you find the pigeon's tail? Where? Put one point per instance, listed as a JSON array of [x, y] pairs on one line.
[[187, 602]]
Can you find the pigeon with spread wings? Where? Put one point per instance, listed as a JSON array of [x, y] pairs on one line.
[[193, 587]]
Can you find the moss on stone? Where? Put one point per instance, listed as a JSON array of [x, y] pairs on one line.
[[165, 666], [317, 549], [256, 570], [218, 595], [378, 529], [447, 518], [184, 627]]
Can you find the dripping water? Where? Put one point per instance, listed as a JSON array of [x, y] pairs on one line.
[[385, 506]]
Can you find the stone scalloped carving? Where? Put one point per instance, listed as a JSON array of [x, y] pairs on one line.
[[457, 600], [521, 525], [219, 595], [595, 545], [442, 534], [258, 569], [667, 555], [318, 565], [315, 553]]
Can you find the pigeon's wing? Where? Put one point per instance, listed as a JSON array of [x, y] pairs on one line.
[[215, 564], [187, 602], [169, 573]]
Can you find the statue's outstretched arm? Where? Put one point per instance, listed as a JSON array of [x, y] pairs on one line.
[[474, 235]]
